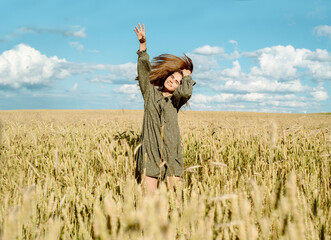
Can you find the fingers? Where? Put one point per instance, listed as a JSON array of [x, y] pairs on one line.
[[186, 72], [136, 30], [140, 29]]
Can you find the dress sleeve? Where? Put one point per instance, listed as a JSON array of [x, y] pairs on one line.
[[183, 92], [144, 69]]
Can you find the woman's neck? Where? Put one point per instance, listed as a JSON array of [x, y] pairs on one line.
[[166, 94]]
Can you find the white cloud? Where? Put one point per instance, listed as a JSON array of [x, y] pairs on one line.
[[121, 73], [261, 85], [209, 50], [288, 104], [126, 70], [234, 72], [278, 80], [129, 89], [235, 54], [250, 101], [231, 56], [320, 94], [286, 63], [234, 42], [93, 51], [275, 83], [201, 106], [320, 71], [76, 45], [320, 55], [278, 62], [201, 99], [323, 30], [132, 92], [279, 69], [74, 87], [203, 63], [25, 65], [206, 60], [101, 79], [253, 97], [80, 33]]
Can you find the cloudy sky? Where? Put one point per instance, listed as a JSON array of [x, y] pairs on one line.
[[249, 55]]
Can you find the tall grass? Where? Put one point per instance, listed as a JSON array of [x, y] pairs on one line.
[[70, 175]]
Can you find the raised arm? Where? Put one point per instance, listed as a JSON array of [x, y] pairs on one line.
[[141, 35], [143, 66], [184, 91]]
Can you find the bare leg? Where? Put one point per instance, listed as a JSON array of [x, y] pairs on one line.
[[176, 182], [149, 183]]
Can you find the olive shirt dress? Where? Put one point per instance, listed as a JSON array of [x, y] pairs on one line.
[[160, 153]]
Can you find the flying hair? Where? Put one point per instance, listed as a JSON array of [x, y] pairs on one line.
[[167, 64]]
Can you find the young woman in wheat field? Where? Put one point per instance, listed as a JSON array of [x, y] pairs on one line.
[[166, 85]]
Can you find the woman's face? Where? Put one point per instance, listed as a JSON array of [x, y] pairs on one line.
[[172, 82]]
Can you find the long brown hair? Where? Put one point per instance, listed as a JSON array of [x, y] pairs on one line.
[[165, 65]]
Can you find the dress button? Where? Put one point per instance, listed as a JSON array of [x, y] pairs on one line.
[[166, 99]]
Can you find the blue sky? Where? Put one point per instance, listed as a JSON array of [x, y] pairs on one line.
[[249, 55]]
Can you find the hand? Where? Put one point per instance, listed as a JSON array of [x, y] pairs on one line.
[[140, 33], [186, 72]]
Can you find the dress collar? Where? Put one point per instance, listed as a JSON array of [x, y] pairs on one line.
[[161, 98]]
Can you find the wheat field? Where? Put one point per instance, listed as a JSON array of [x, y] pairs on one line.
[[70, 175]]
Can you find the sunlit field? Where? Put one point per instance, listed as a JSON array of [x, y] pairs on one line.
[[71, 175]]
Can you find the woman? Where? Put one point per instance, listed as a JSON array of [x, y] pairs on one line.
[[160, 155]]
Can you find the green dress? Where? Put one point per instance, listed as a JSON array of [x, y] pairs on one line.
[[160, 153]]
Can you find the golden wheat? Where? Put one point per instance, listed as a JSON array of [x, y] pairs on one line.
[[70, 175]]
